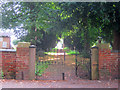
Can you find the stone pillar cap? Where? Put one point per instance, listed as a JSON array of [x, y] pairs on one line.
[[32, 46], [103, 46], [23, 44], [94, 47]]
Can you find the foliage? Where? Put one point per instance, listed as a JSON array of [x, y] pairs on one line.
[[84, 54], [41, 66], [89, 18], [79, 23], [35, 21], [2, 74], [79, 34], [15, 42]]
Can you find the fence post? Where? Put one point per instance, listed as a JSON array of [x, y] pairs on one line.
[[32, 58], [94, 63]]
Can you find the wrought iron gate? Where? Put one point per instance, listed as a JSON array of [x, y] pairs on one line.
[[83, 66], [60, 67], [50, 67]]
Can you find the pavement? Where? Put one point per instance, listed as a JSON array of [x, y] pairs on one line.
[[58, 83]]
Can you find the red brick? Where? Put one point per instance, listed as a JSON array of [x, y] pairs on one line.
[[108, 60]]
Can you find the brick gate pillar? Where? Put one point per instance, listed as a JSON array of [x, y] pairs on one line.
[[94, 63], [0, 64], [22, 61], [32, 59]]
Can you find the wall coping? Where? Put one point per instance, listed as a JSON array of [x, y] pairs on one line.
[[7, 50]]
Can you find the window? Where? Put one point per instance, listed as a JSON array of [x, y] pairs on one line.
[[4, 44], [1, 39]]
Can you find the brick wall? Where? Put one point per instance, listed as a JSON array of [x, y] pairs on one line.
[[108, 64], [8, 64], [18, 64], [22, 63]]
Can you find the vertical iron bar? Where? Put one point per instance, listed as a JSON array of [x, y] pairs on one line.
[[64, 56], [37, 66], [57, 54], [76, 65], [22, 76], [36, 70], [63, 76]]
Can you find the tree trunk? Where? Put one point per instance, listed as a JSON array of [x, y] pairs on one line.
[[116, 40], [116, 31], [86, 37], [86, 42]]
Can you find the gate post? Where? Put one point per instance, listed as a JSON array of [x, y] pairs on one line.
[[22, 61], [0, 65], [32, 58], [94, 63]]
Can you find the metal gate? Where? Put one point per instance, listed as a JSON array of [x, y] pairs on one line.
[[83, 66], [50, 67], [59, 66]]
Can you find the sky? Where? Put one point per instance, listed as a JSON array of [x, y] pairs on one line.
[[12, 35]]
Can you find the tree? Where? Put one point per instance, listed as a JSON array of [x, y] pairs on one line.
[[80, 22], [103, 16], [36, 18], [107, 18]]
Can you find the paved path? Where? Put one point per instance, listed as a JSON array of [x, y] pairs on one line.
[[58, 84]]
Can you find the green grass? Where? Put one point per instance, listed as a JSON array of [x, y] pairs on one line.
[[66, 48], [50, 52], [71, 52], [54, 48]]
